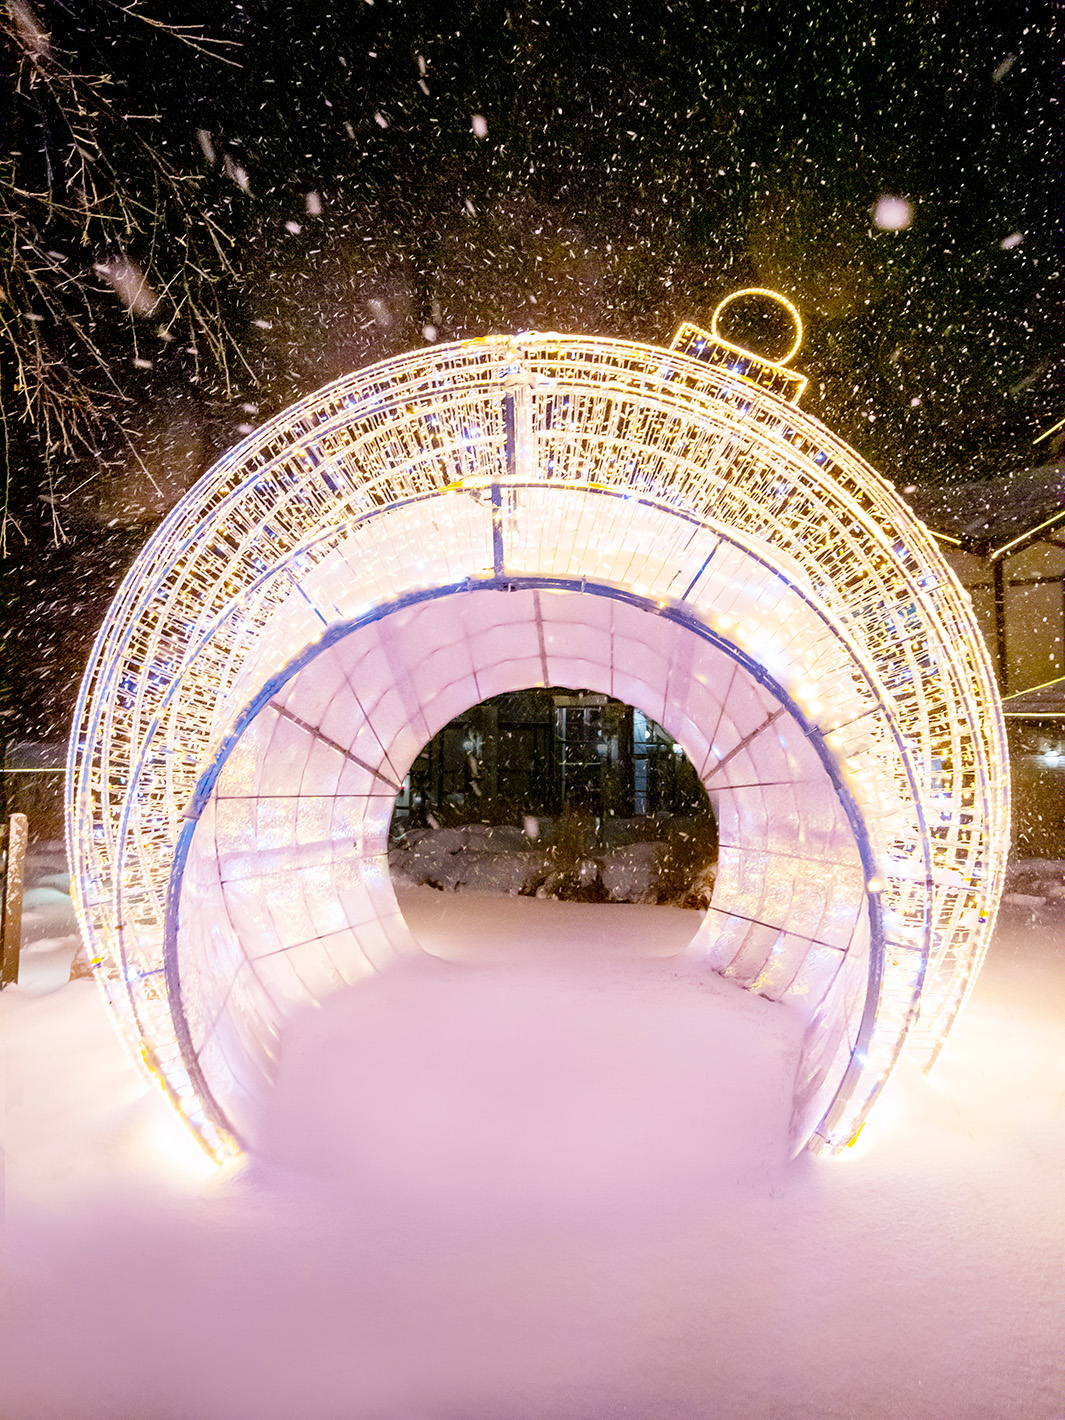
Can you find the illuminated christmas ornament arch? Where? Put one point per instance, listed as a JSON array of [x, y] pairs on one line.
[[664, 526]]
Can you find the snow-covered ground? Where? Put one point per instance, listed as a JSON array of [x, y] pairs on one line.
[[547, 1182]]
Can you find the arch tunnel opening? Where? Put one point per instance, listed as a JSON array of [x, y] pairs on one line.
[[558, 793]]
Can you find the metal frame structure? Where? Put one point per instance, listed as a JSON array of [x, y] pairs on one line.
[[664, 526]]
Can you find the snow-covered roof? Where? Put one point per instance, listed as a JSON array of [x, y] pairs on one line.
[[995, 515]]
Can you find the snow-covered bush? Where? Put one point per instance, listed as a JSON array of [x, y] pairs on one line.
[[647, 861]]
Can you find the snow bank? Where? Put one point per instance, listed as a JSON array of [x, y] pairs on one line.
[[1036, 885]]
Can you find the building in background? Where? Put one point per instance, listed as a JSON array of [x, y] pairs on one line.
[[1035, 728], [31, 782], [540, 751], [1005, 538]]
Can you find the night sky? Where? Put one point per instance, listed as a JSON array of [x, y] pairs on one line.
[[305, 188]]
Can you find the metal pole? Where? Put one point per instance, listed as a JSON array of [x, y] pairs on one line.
[[998, 572], [17, 836]]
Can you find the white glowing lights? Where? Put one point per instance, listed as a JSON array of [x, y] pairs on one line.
[[660, 525]]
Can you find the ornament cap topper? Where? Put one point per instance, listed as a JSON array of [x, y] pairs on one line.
[[711, 347]]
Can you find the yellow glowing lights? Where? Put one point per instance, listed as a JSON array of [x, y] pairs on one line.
[[1047, 432], [743, 364], [661, 525], [781, 360]]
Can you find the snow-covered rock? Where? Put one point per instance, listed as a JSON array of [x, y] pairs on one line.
[[1022, 899], [474, 857], [632, 873], [45, 963], [59, 881]]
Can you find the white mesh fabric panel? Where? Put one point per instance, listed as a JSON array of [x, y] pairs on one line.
[[303, 890]]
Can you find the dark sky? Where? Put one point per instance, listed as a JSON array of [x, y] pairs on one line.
[[354, 179]]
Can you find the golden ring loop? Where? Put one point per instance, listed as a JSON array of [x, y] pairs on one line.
[[773, 296]]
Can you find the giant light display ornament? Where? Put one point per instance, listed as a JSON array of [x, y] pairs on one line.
[[663, 526]]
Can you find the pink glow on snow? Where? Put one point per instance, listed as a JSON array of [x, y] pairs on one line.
[[541, 1188]]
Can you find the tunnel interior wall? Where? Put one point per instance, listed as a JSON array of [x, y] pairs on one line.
[[286, 891]]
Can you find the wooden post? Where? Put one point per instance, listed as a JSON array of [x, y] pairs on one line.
[[17, 835]]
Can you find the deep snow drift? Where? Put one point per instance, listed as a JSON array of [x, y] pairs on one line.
[[550, 1184]]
